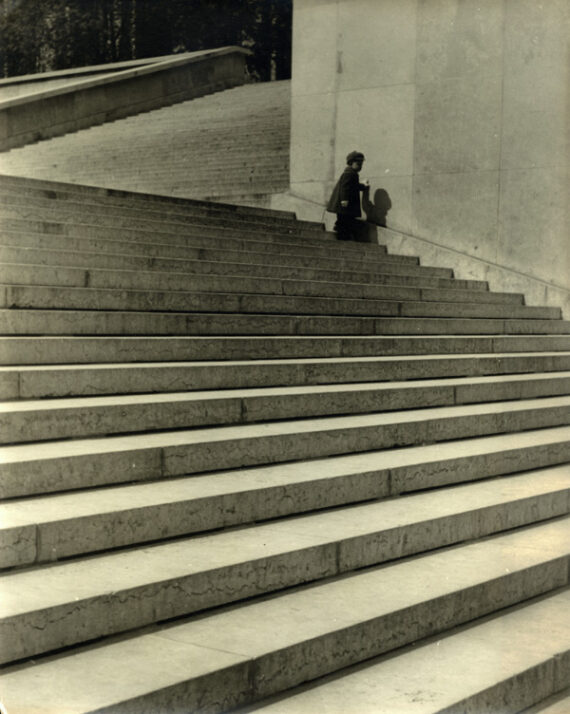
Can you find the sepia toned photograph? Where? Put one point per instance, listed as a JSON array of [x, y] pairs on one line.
[[284, 356]]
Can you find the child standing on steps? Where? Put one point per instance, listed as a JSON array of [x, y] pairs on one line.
[[345, 198]]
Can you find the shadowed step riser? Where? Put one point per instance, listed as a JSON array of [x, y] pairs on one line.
[[442, 605], [81, 350], [124, 379], [76, 463], [177, 245], [151, 512], [145, 217], [19, 284], [262, 267], [70, 322], [504, 671], [93, 299], [33, 274], [14, 186], [196, 234], [272, 557], [108, 415]]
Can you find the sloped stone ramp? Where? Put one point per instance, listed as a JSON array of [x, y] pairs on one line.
[[247, 467]]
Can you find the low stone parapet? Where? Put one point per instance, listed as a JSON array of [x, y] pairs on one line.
[[89, 102]]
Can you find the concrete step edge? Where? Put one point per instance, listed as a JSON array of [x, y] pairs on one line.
[[263, 665], [80, 350], [19, 279], [43, 381], [57, 188], [496, 662], [265, 265], [91, 323], [192, 561], [81, 463], [153, 218], [255, 280], [171, 241], [82, 298], [48, 528], [151, 210], [249, 253], [86, 417]]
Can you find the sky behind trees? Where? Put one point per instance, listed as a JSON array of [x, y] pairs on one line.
[[46, 35]]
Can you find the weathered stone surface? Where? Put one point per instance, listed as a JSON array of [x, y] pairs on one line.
[[116, 459], [40, 420], [510, 666], [384, 412], [34, 382], [320, 629]]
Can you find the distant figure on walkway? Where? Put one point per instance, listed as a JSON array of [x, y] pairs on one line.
[[345, 198]]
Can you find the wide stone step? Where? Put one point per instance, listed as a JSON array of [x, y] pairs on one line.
[[47, 528], [179, 233], [135, 218], [20, 233], [184, 244], [33, 274], [40, 420], [498, 665], [240, 265], [110, 593], [38, 382], [193, 248], [84, 206], [242, 654], [82, 350], [64, 298], [80, 463], [52, 193], [258, 254], [389, 288], [55, 191], [89, 322]]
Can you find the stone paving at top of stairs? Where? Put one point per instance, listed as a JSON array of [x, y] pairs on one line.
[[273, 644]]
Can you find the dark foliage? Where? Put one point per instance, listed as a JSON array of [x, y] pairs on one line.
[[44, 35]]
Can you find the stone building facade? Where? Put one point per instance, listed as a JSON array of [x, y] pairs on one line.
[[462, 110]]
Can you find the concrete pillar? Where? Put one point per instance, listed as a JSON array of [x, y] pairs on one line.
[[462, 110]]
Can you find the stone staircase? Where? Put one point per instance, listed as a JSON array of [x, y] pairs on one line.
[[247, 467], [162, 151]]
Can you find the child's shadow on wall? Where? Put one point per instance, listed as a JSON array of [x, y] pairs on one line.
[[375, 214]]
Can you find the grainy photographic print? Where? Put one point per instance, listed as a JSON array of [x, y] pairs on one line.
[[284, 356]]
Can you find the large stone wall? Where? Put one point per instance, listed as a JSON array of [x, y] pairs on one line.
[[462, 110]]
